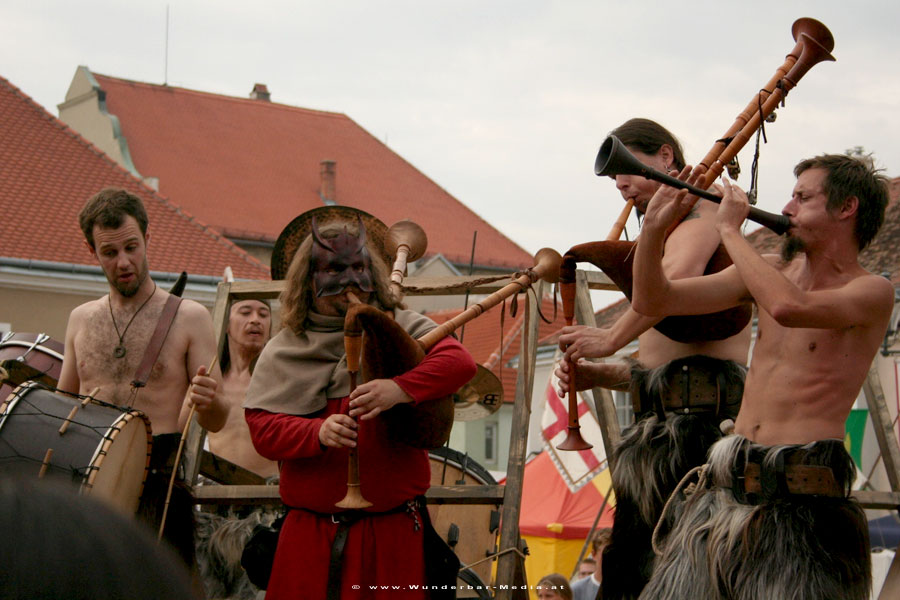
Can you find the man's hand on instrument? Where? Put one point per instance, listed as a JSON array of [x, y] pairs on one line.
[[670, 204], [733, 209], [580, 341], [563, 373], [610, 375], [338, 431], [203, 390], [374, 397]]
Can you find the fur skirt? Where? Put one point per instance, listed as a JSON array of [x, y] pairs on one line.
[[729, 545]]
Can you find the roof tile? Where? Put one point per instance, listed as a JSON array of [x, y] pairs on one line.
[[47, 172], [248, 167]]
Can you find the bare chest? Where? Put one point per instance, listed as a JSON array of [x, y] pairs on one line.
[[109, 355]]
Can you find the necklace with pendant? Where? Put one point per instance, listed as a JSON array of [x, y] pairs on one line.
[[119, 350]]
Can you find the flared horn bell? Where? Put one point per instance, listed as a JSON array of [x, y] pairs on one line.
[[615, 159]]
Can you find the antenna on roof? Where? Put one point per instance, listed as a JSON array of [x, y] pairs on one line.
[[166, 66]]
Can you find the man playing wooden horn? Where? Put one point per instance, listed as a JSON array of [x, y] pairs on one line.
[[773, 504], [671, 434], [301, 412], [106, 341]]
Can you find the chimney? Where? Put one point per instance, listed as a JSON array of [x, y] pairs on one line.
[[260, 92], [327, 176]]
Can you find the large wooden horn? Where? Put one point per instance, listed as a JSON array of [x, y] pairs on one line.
[[814, 44], [615, 159]]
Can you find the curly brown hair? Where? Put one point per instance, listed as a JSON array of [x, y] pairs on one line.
[[108, 209]]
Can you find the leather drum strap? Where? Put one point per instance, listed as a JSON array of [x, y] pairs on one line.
[[156, 342]]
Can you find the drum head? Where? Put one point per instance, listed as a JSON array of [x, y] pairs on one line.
[[121, 463]]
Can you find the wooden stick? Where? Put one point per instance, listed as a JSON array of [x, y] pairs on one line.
[[46, 464], [65, 426], [184, 432]]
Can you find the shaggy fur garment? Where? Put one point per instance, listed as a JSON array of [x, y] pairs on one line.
[[791, 547], [651, 459], [219, 543]]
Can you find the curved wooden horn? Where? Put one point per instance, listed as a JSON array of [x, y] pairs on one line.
[[615, 159]]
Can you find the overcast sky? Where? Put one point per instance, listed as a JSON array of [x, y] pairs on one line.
[[503, 104]]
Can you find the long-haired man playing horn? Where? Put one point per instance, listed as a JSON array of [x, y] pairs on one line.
[[667, 438], [771, 516]]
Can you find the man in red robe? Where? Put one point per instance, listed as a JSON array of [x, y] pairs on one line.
[[301, 412]]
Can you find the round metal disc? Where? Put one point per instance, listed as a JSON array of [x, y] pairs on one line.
[[481, 397]]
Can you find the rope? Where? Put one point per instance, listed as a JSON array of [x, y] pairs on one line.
[[689, 489], [492, 557], [455, 286]]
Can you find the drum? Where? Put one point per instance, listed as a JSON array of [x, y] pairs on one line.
[[26, 357], [470, 529], [101, 448], [38, 351]]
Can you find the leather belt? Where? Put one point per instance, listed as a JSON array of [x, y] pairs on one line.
[[344, 521], [693, 389], [797, 479]]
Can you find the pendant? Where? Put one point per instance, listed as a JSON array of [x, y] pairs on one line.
[[119, 352]]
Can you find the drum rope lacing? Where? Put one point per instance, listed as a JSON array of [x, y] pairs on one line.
[[26, 408]]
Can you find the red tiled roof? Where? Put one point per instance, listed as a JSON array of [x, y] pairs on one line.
[[482, 338], [48, 171], [248, 167]]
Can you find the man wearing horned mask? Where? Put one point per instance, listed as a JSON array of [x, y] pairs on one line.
[[301, 412]]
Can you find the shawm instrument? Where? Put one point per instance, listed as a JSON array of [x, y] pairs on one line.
[[377, 348], [814, 44]]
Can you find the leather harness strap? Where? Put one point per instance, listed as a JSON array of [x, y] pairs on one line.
[[156, 341]]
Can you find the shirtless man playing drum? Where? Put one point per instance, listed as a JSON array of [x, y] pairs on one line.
[[822, 317], [106, 339]]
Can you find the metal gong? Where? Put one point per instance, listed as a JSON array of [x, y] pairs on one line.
[[481, 397]]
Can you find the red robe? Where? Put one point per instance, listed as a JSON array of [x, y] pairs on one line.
[[383, 550]]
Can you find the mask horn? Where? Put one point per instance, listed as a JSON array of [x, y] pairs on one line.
[[318, 237]]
